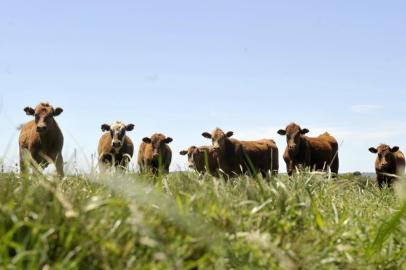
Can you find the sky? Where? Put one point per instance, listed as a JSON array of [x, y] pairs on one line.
[[184, 67]]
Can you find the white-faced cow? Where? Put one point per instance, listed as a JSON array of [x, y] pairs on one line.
[[42, 138], [154, 154], [319, 153], [389, 164], [115, 147]]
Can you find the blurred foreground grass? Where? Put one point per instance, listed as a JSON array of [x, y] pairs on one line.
[[183, 221]]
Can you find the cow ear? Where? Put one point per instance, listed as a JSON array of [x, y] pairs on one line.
[[29, 111], [394, 149], [373, 150], [206, 135], [229, 134], [183, 152], [168, 140], [282, 132], [129, 127], [304, 131], [146, 140], [105, 127], [57, 111]]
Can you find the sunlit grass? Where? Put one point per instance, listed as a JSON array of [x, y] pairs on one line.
[[184, 221]]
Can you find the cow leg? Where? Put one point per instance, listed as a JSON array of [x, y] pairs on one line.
[[166, 169], [155, 170], [102, 166], [141, 167], [380, 180], [390, 181], [105, 161], [37, 162], [290, 167], [145, 166], [124, 163], [23, 167], [44, 164], [334, 166], [59, 165], [24, 161], [265, 174]]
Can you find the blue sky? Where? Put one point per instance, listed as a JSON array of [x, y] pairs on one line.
[[183, 67]]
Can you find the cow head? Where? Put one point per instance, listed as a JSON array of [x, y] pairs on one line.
[[294, 135], [158, 142], [117, 132], [385, 156], [44, 115], [218, 138], [191, 153]]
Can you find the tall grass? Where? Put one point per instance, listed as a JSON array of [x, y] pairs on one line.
[[185, 221]]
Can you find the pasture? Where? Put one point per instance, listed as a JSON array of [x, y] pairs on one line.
[[122, 100], [183, 221]]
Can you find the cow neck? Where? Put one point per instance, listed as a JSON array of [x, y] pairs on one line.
[[393, 164], [46, 137], [228, 148], [120, 151], [301, 153]]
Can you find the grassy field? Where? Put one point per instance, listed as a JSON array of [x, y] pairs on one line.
[[183, 221]]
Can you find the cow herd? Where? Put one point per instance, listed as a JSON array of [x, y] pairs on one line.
[[41, 142]]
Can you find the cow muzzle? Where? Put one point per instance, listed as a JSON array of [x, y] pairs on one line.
[[383, 166], [41, 128], [116, 144], [292, 148]]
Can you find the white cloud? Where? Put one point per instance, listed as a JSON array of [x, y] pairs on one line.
[[366, 108]]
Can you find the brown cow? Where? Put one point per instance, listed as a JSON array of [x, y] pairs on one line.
[[42, 138], [264, 154], [389, 164], [203, 159], [236, 157], [319, 153], [115, 147], [155, 155]]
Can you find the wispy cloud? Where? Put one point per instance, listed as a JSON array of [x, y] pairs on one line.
[[366, 108]]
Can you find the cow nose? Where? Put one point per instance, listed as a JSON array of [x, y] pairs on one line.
[[41, 128], [155, 155], [116, 144], [191, 166], [292, 147]]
